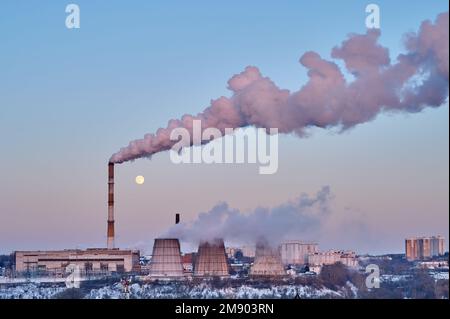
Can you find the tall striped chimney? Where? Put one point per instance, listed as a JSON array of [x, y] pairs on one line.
[[110, 231]]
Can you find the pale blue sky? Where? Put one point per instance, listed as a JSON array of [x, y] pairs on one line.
[[70, 98]]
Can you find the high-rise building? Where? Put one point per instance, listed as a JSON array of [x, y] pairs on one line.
[[411, 250], [419, 248]]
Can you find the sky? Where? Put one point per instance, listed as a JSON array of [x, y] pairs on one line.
[[69, 99]]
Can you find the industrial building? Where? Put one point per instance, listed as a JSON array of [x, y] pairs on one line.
[[246, 250], [267, 262], [295, 252], [211, 259], [419, 248], [166, 259], [93, 260], [318, 259]]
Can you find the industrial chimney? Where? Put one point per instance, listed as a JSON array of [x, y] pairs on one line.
[[177, 218], [110, 231]]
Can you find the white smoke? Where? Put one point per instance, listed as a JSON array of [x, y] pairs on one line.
[[300, 218], [417, 79]]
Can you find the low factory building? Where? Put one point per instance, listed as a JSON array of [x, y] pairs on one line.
[[317, 260], [92, 260]]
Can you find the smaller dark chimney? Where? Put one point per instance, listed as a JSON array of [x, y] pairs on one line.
[[177, 218]]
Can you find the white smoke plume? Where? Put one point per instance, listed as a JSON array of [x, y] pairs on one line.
[[416, 80], [302, 217]]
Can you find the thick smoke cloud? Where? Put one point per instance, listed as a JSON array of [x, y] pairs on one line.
[[303, 217], [417, 79]]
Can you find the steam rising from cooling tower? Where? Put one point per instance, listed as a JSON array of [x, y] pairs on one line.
[[416, 80], [304, 216]]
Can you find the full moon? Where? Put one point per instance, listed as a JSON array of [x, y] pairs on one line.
[[140, 180]]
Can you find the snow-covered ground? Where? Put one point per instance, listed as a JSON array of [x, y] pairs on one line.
[[172, 291], [439, 275], [29, 291], [40, 280], [205, 291], [393, 278], [37, 280]]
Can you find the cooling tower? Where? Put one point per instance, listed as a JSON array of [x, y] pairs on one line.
[[211, 259], [166, 259], [267, 262]]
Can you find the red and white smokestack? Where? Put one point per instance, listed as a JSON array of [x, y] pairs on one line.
[[110, 231]]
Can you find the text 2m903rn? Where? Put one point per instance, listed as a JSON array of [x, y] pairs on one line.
[[246, 308]]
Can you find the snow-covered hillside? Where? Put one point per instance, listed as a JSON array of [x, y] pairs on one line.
[[203, 291], [171, 291]]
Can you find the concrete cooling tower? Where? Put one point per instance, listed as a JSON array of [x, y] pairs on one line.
[[267, 262], [211, 259], [166, 259]]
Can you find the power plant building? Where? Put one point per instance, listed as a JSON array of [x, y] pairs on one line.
[[93, 260], [166, 259], [295, 252], [419, 248], [211, 259]]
